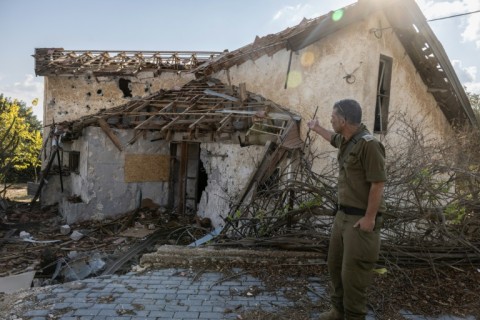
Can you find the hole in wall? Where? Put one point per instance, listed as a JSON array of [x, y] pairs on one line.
[[124, 85], [202, 180], [99, 91], [89, 94], [88, 107]]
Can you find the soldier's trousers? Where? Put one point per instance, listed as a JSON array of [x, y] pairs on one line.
[[352, 255]]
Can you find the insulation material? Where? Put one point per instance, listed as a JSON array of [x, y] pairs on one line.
[[146, 167]]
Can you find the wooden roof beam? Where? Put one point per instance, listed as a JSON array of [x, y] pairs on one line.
[[106, 128], [170, 124], [197, 122]]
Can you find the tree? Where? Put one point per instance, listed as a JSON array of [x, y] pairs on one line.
[[20, 138], [475, 103]]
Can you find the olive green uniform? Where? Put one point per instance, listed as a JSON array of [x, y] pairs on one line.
[[352, 252]]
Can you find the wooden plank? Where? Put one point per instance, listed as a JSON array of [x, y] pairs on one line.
[[106, 128], [243, 91], [170, 124], [147, 168], [196, 122], [224, 122]]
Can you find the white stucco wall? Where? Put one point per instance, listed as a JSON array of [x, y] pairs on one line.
[[229, 168], [100, 182], [317, 79]]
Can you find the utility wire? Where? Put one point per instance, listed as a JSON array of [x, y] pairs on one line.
[[457, 15]]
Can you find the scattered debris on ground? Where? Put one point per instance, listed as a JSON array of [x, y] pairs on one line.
[[38, 240]]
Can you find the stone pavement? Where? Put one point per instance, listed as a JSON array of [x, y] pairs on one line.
[[182, 283], [170, 293]]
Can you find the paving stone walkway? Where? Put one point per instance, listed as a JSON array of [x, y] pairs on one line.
[[161, 294], [169, 293]]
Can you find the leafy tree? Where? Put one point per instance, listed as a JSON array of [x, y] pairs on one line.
[[475, 102], [20, 137]]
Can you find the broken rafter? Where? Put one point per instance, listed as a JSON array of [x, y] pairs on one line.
[[221, 95], [196, 122], [62, 62], [262, 132], [106, 128], [224, 122], [170, 124]]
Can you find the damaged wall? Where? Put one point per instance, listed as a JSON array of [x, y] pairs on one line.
[[229, 168], [318, 78], [100, 182], [71, 97]]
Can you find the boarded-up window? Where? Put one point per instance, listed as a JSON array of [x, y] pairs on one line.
[[147, 167]]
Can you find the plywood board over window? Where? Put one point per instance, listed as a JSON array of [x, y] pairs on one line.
[[147, 168]]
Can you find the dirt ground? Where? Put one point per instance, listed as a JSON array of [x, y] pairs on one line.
[[18, 193]]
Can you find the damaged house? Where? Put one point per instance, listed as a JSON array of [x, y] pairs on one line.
[[193, 131]]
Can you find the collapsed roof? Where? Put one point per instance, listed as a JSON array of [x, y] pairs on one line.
[[57, 61], [203, 108]]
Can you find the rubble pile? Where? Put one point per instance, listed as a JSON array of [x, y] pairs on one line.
[[37, 241]]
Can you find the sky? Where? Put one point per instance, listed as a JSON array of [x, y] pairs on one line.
[[189, 25]]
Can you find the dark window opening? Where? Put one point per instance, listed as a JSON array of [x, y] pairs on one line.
[[73, 161], [202, 180], [124, 85], [383, 95]]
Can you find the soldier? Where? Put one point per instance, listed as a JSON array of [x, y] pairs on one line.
[[355, 239]]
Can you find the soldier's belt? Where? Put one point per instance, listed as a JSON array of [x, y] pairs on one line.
[[355, 211]]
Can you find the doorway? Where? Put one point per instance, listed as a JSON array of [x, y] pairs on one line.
[[188, 177]]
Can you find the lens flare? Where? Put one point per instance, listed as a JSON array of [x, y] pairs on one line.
[[307, 59], [294, 79], [337, 15]]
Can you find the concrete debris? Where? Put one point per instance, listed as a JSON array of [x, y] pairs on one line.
[[57, 254], [16, 282], [84, 266], [25, 235], [65, 229], [76, 235]]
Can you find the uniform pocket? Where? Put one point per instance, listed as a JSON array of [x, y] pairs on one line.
[[367, 245]]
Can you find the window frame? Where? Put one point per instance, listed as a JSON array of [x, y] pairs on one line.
[[383, 94]]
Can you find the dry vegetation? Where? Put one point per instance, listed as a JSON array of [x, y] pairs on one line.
[[431, 239], [431, 236]]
